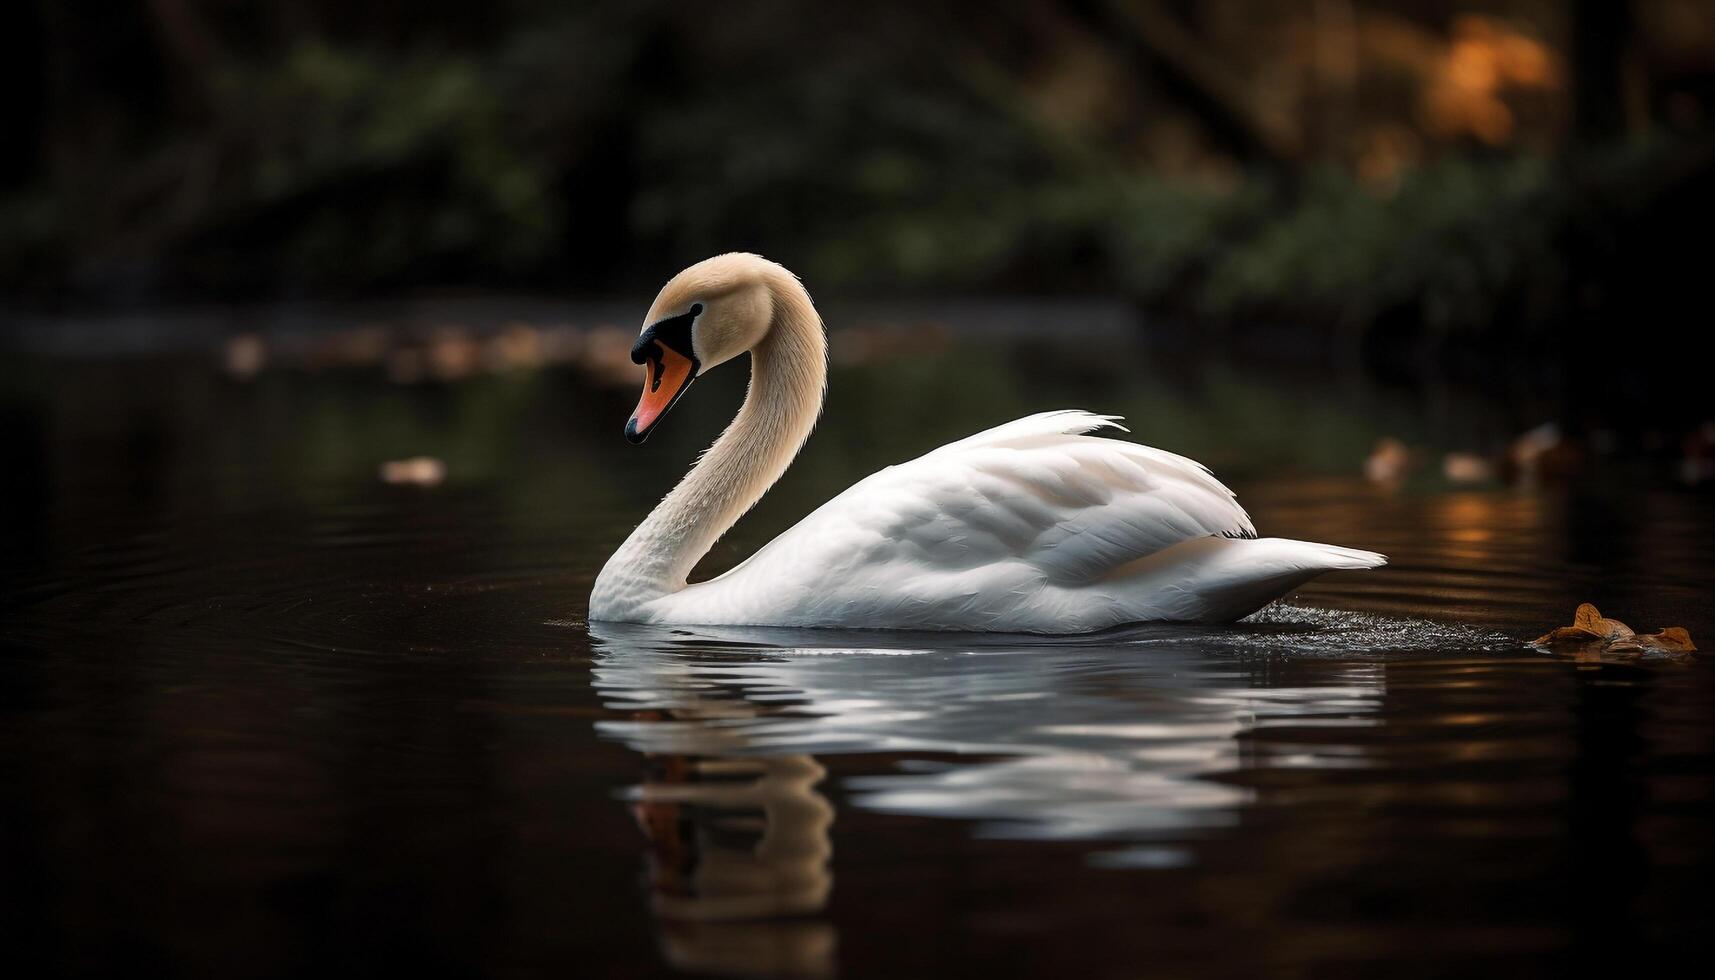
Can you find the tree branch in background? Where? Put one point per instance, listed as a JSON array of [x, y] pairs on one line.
[[1204, 83]]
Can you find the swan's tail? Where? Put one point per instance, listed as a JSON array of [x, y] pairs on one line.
[[1332, 557], [1224, 579]]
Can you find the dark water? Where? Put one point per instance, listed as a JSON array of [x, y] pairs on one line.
[[265, 715]]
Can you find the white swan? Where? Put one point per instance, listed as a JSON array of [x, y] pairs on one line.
[[1030, 527]]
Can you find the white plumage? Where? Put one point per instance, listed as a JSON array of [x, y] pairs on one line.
[[1034, 526], [1030, 527]]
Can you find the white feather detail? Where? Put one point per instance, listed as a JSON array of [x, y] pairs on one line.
[[1032, 526]]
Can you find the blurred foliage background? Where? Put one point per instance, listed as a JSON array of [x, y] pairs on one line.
[[1321, 174]]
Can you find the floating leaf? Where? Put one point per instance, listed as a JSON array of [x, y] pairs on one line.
[[1593, 635], [1568, 636], [1677, 637], [1590, 618], [419, 471]]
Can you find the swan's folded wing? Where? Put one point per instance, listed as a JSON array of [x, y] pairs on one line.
[[1031, 501]]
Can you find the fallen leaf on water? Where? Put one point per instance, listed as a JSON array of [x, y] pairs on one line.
[[420, 471], [1590, 618], [1672, 640], [1592, 634], [1389, 462]]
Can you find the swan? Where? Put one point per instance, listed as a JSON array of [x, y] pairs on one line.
[[1034, 526]]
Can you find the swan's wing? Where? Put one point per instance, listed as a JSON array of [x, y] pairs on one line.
[[1026, 505], [1041, 491]]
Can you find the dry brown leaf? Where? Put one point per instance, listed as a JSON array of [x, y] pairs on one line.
[[1568, 636], [1674, 639], [1677, 636], [1590, 618], [418, 471], [1592, 635]]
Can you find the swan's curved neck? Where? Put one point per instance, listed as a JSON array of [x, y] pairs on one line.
[[788, 376]]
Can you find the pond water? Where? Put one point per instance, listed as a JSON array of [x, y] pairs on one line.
[[264, 714]]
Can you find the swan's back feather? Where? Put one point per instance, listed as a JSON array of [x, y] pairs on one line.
[[1061, 422]]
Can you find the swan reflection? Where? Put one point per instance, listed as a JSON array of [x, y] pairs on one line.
[[736, 844], [1130, 738]]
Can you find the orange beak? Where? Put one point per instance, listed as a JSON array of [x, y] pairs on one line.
[[670, 356], [669, 369], [669, 374]]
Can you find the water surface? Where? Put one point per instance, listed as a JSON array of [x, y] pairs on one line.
[[266, 715]]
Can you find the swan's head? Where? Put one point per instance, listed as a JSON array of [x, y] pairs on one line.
[[710, 313]]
